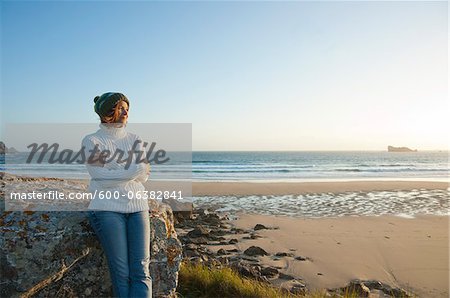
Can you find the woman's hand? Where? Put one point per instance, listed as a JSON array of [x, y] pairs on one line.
[[96, 161]]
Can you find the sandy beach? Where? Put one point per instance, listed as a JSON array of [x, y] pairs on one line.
[[409, 253]]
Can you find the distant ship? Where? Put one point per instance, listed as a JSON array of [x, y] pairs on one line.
[[400, 149]]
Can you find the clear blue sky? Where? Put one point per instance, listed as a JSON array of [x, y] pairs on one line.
[[247, 75]]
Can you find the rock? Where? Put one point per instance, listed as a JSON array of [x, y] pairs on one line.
[[210, 219], [247, 270], [199, 240], [215, 238], [373, 284], [395, 292], [233, 250], [260, 227], [200, 211], [233, 241], [255, 251], [4, 149], [298, 288], [286, 276], [355, 287], [196, 260], [255, 236], [225, 226], [191, 253], [223, 260], [250, 259], [400, 149], [181, 210], [12, 150], [211, 243], [300, 258], [269, 272], [284, 254], [221, 252], [88, 291], [364, 288], [40, 257], [252, 236], [198, 232], [237, 231], [191, 246], [218, 232]]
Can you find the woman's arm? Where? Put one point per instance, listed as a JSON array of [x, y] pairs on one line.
[[109, 177], [144, 177]]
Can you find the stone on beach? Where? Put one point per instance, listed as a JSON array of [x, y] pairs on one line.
[[269, 271], [284, 254], [255, 251], [199, 231], [260, 227]]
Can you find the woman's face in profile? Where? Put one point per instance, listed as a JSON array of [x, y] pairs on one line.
[[123, 112]]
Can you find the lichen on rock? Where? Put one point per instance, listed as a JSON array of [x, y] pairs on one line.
[[57, 254]]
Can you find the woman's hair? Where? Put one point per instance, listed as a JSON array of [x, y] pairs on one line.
[[106, 106], [114, 115]]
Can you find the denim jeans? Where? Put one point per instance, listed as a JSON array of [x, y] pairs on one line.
[[125, 238]]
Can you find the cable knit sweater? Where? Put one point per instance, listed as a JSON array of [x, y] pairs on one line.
[[113, 177]]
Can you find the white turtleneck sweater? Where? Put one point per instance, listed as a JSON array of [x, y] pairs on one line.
[[113, 177]]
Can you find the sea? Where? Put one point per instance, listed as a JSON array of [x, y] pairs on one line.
[[301, 166], [262, 166]]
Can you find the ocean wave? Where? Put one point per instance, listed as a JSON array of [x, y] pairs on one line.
[[385, 165], [245, 171]]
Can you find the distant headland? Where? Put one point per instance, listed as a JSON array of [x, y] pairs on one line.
[[4, 149], [400, 149]]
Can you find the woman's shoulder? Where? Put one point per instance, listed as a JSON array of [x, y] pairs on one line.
[[133, 136], [91, 138]]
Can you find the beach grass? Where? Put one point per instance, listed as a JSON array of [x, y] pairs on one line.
[[197, 280]]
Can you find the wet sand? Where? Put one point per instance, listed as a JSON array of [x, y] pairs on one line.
[[284, 188]]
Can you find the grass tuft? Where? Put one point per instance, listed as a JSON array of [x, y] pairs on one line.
[[197, 280]]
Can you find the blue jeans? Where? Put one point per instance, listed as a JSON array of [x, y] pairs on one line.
[[125, 238]]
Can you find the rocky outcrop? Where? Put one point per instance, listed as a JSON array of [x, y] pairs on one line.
[[400, 149], [181, 210], [4, 149], [56, 254]]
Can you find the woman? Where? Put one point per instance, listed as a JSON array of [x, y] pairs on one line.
[[120, 221]]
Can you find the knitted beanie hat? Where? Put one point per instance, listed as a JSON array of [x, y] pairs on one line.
[[105, 103]]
